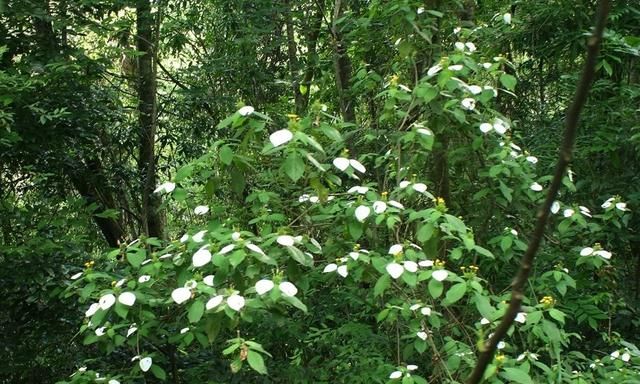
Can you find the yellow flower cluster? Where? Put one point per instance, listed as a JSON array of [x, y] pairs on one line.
[[471, 270], [439, 263], [547, 301], [89, 264]]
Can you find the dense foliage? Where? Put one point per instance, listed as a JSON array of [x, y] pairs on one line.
[[314, 192]]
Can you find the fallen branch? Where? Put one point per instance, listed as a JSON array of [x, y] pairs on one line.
[[488, 349]]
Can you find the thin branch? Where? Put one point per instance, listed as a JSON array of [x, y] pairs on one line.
[[488, 349]]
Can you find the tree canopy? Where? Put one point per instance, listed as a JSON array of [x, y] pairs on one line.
[[379, 191]]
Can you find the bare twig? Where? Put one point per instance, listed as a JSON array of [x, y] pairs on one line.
[[488, 349]]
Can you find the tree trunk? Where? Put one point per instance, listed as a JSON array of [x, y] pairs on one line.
[[152, 221], [342, 65]]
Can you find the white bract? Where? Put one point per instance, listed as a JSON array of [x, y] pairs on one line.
[[358, 189], [263, 286], [395, 249], [440, 274], [127, 298], [395, 375], [280, 137], [76, 276], [226, 249], [568, 212], [394, 270], [201, 257], [362, 212], [506, 18], [433, 70], [412, 367], [470, 46], [588, 251], [459, 45], [330, 268], [426, 263], [486, 127], [208, 280], [198, 237], [468, 104], [201, 210], [536, 187], [475, 89], [93, 308], [419, 187], [235, 302], [341, 163], [288, 289], [622, 206], [456, 67], [410, 266], [342, 271], [286, 240], [184, 330], [214, 302], [131, 330], [246, 110], [521, 317], [555, 207], [145, 363], [101, 331], [532, 159], [107, 301], [180, 295], [166, 187], [395, 204], [422, 335], [357, 166], [379, 207], [255, 249], [113, 381]]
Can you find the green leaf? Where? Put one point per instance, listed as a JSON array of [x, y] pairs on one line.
[[483, 305], [300, 257], [381, 285], [506, 191], [516, 375], [426, 92], [256, 362], [295, 302], [226, 154], [355, 229], [556, 314], [238, 181], [158, 372], [455, 293], [196, 310], [435, 288], [293, 166], [508, 81], [425, 232], [136, 257], [183, 173]]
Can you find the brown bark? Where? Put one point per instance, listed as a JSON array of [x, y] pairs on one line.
[[152, 220], [342, 65]]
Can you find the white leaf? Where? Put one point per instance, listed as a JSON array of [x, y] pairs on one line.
[[76, 276], [201, 210], [342, 271], [470, 46], [107, 301], [424, 131], [184, 330], [604, 254], [330, 268], [555, 207], [235, 302], [433, 70], [246, 110], [459, 45], [167, 187], [341, 163], [127, 298], [208, 280], [536, 187], [568, 212], [422, 335], [440, 274], [395, 249], [419, 187], [395, 375], [404, 184], [532, 159], [468, 104], [412, 367], [486, 127], [145, 364], [263, 286], [500, 128], [280, 137], [180, 295], [410, 266], [521, 317], [201, 257], [255, 248], [394, 270], [131, 331], [396, 204], [214, 302], [93, 308], [100, 331], [285, 240], [475, 89], [362, 212], [507, 18], [235, 236], [426, 263], [358, 189], [357, 166], [426, 311], [354, 255], [226, 249], [622, 206], [379, 206], [456, 67], [198, 237], [288, 289], [113, 381], [143, 279]]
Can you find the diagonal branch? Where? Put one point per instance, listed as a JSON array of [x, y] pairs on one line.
[[488, 349]]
